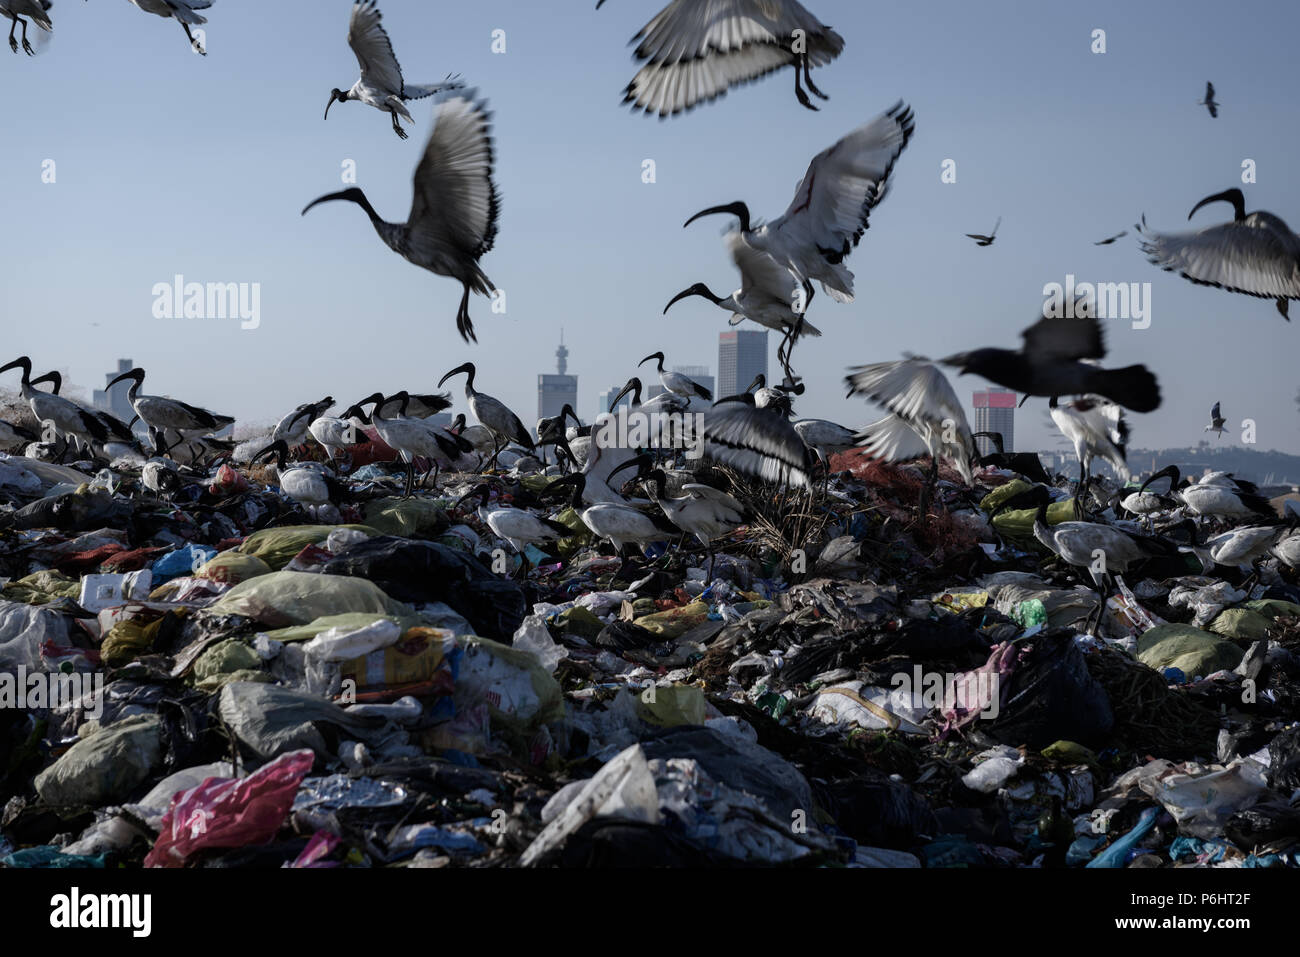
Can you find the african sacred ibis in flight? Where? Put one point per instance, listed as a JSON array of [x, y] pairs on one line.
[[925, 415], [1217, 421], [703, 511], [34, 10], [308, 484], [694, 50], [982, 240], [766, 296], [183, 13], [675, 382], [1097, 429], [65, 417], [1255, 254], [1208, 100], [517, 526], [1051, 363], [162, 413], [381, 84], [831, 205], [492, 413], [758, 442], [453, 218]]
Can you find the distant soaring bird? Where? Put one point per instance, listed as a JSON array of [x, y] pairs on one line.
[[831, 205], [1107, 242], [1049, 363], [986, 240], [695, 50], [1216, 421], [182, 11], [381, 84], [34, 10], [1255, 254], [1208, 102], [453, 219]]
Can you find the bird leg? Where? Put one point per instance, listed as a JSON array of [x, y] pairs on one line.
[[27, 47], [496, 450], [463, 324], [798, 90], [13, 25], [807, 78], [397, 127], [194, 44], [410, 476], [928, 488]]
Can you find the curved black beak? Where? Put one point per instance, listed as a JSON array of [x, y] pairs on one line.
[[1169, 471], [633, 385], [22, 362], [467, 367], [737, 209], [1232, 196], [328, 197], [642, 462], [335, 95], [278, 447], [135, 374], [653, 355]]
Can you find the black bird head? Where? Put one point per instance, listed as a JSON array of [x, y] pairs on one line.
[[135, 374], [1232, 196], [336, 96], [654, 355], [467, 368], [738, 209], [699, 289], [1169, 471], [643, 463], [52, 377], [24, 363], [633, 386], [278, 447]]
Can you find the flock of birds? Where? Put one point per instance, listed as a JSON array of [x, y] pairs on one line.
[[692, 52]]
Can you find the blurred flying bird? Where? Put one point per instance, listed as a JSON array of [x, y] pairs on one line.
[[1255, 254], [183, 12], [1050, 363], [453, 219], [1107, 242], [1217, 421], [34, 10], [1208, 101], [986, 240], [695, 50]]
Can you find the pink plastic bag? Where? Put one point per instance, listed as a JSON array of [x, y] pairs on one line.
[[230, 812]]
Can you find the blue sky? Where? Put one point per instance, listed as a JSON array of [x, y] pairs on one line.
[[170, 163]]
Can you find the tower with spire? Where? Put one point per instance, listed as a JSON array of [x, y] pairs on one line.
[[555, 391]]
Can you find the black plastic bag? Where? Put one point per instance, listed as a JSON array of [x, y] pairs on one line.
[[1053, 697]]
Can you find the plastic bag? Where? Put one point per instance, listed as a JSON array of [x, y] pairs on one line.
[[228, 812]]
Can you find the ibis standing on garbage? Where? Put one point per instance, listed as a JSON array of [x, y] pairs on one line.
[[66, 417], [517, 526], [492, 413], [453, 218], [381, 84], [162, 413]]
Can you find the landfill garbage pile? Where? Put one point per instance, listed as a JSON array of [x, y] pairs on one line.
[[207, 672]]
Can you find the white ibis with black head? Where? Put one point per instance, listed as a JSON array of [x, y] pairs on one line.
[[381, 84], [675, 382], [413, 438], [925, 416], [492, 413], [1078, 544], [695, 50], [307, 485], [1256, 254], [517, 526], [1053, 361], [1217, 495], [182, 11], [766, 295], [120, 442], [1217, 421], [1097, 429], [831, 206], [293, 428], [620, 525], [68, 419], [163, 413], [454, 212], [35, 10]]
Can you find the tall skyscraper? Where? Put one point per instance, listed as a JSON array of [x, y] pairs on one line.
[[114, 401], [742, 354], [555, 391], [995, 411]]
